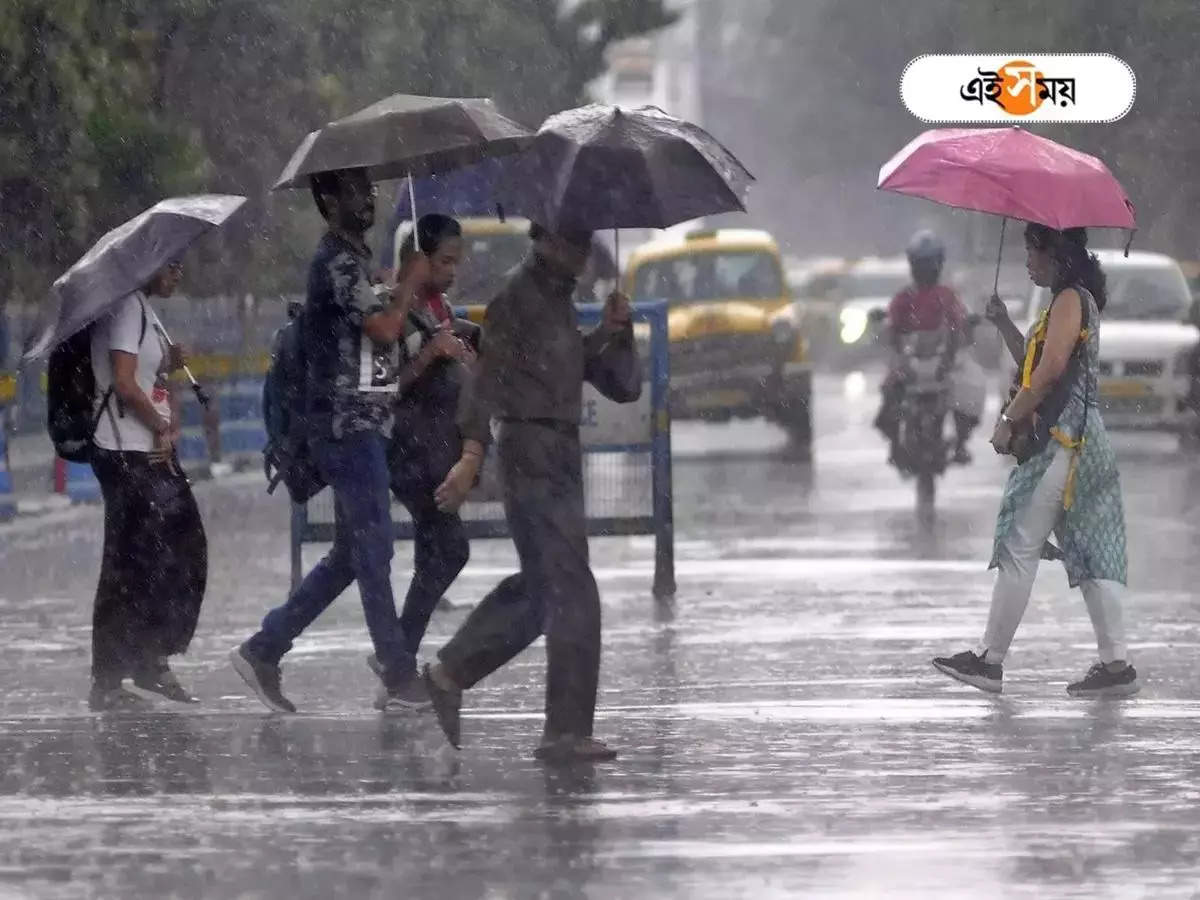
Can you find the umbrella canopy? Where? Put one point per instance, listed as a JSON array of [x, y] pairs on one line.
[[599, 167], [474, 190], [124, 260], [404, 134], [1012, 173]]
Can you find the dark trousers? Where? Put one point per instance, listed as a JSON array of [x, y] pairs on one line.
[[440, 552], [355, 468], [155, 566], [554, 593]]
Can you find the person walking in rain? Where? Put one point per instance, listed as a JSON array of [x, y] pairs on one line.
[[349, 333], [532, 365], [426, 442], [154, 569], [1069, 486]]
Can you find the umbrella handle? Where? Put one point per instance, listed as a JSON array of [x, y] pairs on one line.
[[202, 396], [617, 254], [412, 203], [999, 254]]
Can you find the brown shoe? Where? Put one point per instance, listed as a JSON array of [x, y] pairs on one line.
[[447, 705], [568, 749]]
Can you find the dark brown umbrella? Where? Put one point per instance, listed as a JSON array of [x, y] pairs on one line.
[[405, 135], [600, 167]]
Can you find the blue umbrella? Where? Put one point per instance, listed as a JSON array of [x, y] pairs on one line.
[[475, 190]]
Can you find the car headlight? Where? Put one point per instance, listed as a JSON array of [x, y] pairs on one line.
[[854, 325]]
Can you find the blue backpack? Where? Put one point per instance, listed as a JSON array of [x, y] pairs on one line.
[[286, 455]]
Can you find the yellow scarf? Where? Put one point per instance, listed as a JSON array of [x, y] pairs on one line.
[[1064, 440]]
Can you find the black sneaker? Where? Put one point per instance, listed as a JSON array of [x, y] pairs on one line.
[[1100, 682], [447, 704], [569, 749], [162, 681], [969, 668], [262, 678], [115, 699], [409, 696]]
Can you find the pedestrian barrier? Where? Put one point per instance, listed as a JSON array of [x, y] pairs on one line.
[[627, 466], [8, 500], [77, 481], [235, 385]]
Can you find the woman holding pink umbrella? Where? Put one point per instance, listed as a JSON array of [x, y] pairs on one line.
[[1066, 480]]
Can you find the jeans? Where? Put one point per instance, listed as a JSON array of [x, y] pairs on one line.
[[441, 550], [355, 468], [1018, 566]]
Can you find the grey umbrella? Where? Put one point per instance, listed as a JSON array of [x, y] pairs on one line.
[[599, 167], [123, 261], [406, 135]]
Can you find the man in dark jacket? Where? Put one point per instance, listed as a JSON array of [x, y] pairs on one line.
[[532, 364]]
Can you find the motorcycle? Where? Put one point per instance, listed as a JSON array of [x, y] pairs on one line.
[[923, 450]]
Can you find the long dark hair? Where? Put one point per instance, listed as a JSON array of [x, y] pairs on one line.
[[1072, 263]]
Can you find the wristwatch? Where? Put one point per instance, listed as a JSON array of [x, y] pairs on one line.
[[1007, 419]]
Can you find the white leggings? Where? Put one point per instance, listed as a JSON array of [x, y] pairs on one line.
[[1018, 564]]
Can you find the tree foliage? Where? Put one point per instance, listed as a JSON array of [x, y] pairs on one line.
[[107, 106]]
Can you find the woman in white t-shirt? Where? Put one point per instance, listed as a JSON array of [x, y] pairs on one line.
[[155, 564]]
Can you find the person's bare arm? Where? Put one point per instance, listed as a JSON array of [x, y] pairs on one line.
[[443, 345], [997, 314], [388, 325]]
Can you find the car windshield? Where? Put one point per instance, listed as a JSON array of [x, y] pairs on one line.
[[710, 276], [874, 284], [1142, 293], [486, 259]]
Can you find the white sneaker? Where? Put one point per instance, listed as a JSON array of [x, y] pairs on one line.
[[220, 470]]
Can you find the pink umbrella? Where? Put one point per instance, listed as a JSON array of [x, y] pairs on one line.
[[1011, 173]]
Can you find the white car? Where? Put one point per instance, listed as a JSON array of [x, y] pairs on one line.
[[869, 284], [1148, 342]]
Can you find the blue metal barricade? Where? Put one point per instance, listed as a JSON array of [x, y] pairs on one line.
[[627, 467]]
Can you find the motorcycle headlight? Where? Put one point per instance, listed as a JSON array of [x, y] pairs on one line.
[[854, 325]]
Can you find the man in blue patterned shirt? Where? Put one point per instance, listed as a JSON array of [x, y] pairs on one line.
[[350, 333]]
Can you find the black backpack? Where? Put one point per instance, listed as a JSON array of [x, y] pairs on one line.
[[71, 418], [286, 456]]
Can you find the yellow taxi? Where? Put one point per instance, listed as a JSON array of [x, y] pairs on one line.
[[736, 344]]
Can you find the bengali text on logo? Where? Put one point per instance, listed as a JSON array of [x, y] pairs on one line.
[[1018, 87]]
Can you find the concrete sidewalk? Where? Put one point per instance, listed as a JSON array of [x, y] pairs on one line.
[[781, 729]]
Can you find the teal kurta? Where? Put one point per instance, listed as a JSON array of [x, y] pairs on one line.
[[1091, 533]]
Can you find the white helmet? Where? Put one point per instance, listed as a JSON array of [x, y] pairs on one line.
[[926, 246]]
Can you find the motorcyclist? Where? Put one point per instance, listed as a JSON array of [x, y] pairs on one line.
[[925, 305]]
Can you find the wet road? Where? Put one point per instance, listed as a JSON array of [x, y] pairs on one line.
[[782, 731]]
